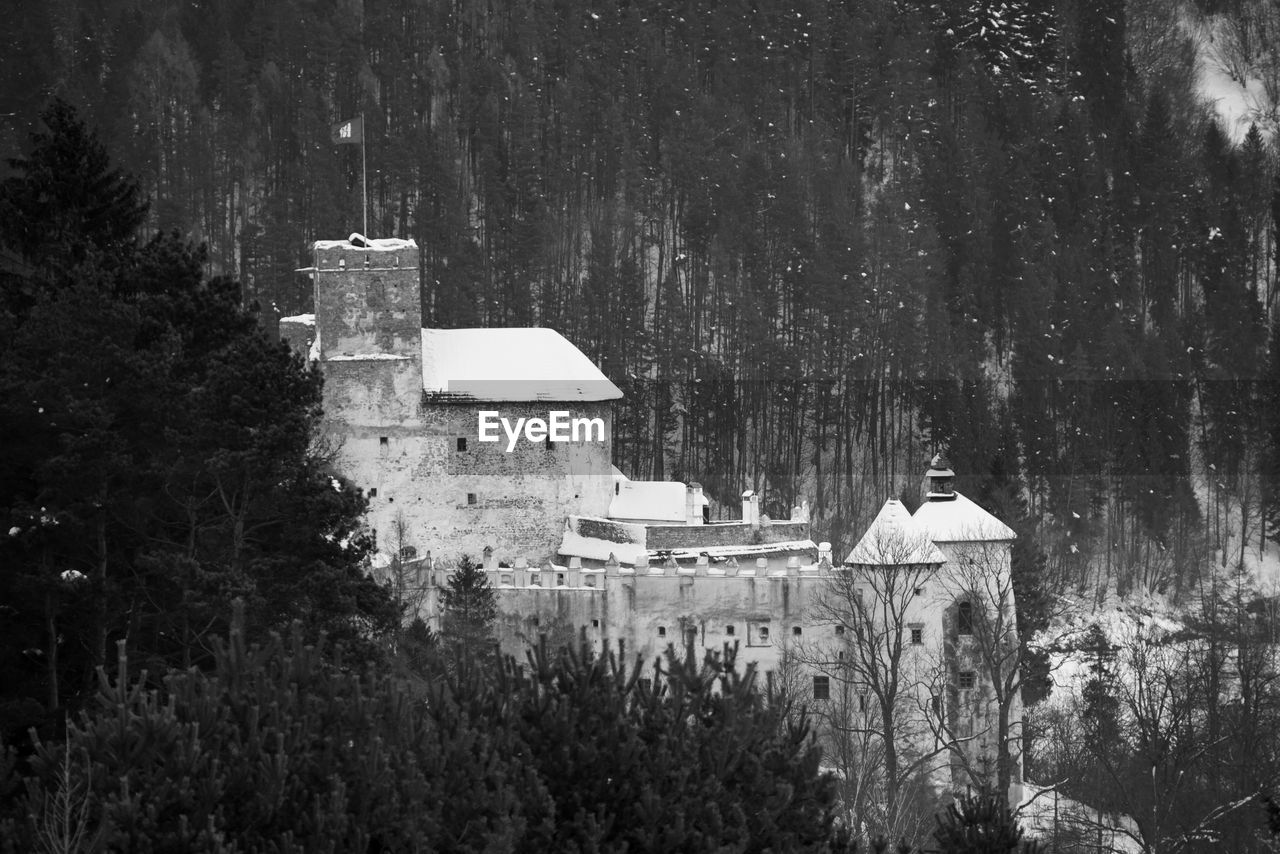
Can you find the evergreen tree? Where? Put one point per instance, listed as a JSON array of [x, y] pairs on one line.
[[157, 447], [282, 745], [64, 206], [978, 824], [468, 607]]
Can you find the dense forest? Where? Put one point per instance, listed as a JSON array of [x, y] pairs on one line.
[[813, 241]]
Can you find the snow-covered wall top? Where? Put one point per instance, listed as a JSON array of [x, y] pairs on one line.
[[355, 241]]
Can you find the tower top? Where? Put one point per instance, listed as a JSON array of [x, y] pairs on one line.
[[940, 479]]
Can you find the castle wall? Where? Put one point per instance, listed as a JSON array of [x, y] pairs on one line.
[[644, 611], [723, 534], [436, 497]]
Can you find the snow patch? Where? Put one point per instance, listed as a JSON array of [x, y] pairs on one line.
[[368, 357], [381, 244]]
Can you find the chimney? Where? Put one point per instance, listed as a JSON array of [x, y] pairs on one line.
[[694, 501], [751, 508]]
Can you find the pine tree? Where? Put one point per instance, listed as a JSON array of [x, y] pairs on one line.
[[469, 608], [65, 205], [157, 447], [980, 825]]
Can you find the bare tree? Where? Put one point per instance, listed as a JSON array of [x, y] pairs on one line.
[[983, 637], [1148, 736], [880, 675]]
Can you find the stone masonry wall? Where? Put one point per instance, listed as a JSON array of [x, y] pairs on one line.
[[435, 496], [723, 534]]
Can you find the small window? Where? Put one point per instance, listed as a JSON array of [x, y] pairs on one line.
[[589, 580], [821, 688], [919, 591], [471, 498], [662, 631], [535, 580], [617, 489], [384, 446], [968, 679], [839, 631], [964, 618], [764, 634], [595, 624], [728, 630], [462, 443], [796, 631], [559, 579], [917, 635], [408, 552], [862, 700], [373, 492], [505, 579]]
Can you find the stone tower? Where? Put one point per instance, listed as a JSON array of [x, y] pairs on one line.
[[369, 326], [979, 629]]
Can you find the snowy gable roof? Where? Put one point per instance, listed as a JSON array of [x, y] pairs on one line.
[[959, 520], [652, 500], [509, 365], [894, 539]]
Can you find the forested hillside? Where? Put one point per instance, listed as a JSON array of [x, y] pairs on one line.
[[813, 241]]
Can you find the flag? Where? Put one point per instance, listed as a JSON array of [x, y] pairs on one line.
[[350, 132]]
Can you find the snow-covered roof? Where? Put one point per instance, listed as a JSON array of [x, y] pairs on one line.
[[380, 244], [756, 550], [959, 520], [895, 539], [510, 365], [573, 544], [303, 319], [652, 500]]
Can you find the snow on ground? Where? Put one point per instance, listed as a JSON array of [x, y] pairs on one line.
[[1238, 94], [1048, 815], [1121, 620]]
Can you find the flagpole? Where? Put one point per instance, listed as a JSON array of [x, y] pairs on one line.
[[364, 174]]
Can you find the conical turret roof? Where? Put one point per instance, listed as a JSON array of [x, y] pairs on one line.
[[894, 539], [959, 520]]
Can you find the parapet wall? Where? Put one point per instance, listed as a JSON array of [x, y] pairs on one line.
[[724, 534]]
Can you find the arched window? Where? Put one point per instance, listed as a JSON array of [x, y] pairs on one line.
[[964, 618]]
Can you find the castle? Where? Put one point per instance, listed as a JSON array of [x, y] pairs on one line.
[[496, 443]]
